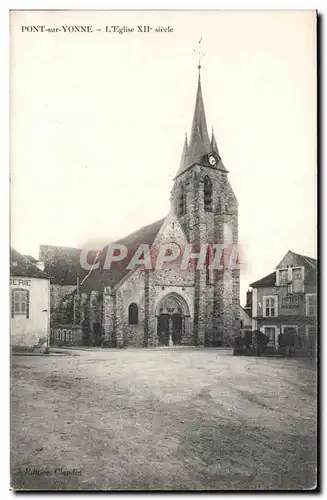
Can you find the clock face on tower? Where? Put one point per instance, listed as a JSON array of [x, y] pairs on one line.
[[212, 159]]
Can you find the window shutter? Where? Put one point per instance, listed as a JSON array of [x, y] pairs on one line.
[[27, 304], [265, 306], [12, 303]]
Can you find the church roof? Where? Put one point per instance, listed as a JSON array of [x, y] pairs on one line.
[[63, 263], [21, 266], [145, 234]]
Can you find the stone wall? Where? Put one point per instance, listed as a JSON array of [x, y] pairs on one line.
[[132, 292], [216, 313], [83, 311], [146, 288], [66, 335], [213, 304], [186, 294], [117, 329], [108, 316], [95, 327], [171, 278]]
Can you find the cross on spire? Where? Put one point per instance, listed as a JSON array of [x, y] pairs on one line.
[[199, 53]]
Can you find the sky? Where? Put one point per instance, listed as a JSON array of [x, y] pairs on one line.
[[98, 122]]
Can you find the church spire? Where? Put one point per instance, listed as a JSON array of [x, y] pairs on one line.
[[199, 141], [214, 143], [214, 148], [184, 158]]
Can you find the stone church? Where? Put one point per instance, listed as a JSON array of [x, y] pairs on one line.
[[150, 307]]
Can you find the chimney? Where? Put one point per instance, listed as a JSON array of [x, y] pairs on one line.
[[249, 299]]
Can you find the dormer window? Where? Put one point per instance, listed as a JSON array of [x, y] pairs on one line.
[[283, 276], [297, 279], [292, 277]]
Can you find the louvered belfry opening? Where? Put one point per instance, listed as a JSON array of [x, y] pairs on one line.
[[182, 201], [207, 192]]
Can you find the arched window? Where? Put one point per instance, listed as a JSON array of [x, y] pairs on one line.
[[182, 201], [207, 192], [133, 314]]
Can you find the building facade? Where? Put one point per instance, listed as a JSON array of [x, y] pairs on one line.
[[285, 302], [30, 303], [245, 321], [146, 307]]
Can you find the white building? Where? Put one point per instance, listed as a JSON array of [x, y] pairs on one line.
[[30, 302]]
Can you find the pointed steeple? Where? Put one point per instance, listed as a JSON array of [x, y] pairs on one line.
[[214, 143], [184, 159], [214, 148], [199, 141]]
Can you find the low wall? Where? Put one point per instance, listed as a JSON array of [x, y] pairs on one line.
[[66, 335]]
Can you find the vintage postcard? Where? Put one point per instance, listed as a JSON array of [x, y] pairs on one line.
[[163, 266]]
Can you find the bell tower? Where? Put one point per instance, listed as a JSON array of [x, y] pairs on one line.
[[206, 206]]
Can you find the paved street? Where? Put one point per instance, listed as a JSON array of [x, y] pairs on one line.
[[162, 419]]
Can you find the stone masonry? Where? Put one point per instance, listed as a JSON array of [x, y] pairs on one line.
[[196, 306]]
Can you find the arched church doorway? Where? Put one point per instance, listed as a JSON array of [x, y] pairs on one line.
[[172, 320]]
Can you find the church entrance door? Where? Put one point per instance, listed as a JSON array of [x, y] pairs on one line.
[[171, 314], [163, 329], [177, 323]]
